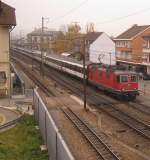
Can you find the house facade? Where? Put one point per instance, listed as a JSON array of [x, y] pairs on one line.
[[146, 52], [38, 38], [130, 45], [102, 49], [7, 20]]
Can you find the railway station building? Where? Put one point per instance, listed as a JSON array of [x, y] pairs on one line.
[[7, 22]]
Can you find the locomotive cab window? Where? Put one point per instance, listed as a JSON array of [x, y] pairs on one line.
[[118, 79], [123, 78], [2, 77], [133, 78]]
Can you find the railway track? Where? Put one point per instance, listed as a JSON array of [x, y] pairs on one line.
[[97, 142], [139, 126], [37, 81], [10, 123], [140, 107], [96, 100]]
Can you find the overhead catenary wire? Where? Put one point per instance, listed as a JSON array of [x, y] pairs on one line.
[[103, 22], [69, 12], [123, 17]]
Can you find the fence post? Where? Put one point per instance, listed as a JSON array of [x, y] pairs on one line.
[[56, 147], [45, 129], [23, 88], [144, 88], [38, 114]]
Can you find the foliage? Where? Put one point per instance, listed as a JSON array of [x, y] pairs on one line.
[[22, 142]]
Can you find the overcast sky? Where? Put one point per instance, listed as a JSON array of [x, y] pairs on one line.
[[105, 14]]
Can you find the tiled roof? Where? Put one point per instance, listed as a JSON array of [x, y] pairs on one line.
[[131, 32], [38, 32], [7, 15], [92, 36]]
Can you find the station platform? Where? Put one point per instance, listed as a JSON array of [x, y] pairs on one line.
[[68, 59]]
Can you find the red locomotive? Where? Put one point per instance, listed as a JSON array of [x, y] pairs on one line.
[[122, 83]]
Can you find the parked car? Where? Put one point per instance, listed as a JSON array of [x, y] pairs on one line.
[[144, 76]]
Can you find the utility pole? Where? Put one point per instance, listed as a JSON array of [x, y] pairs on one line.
[[83, 49], [41, 47], [84, 70], [32, 53], [110, 57]]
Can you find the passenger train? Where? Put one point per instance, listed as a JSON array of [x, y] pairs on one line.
[[121, 83]]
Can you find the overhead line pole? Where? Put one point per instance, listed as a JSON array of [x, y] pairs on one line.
[[41, 47], [84, 71], [83, 51]]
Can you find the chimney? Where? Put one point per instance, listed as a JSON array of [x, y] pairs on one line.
[[134, 25]]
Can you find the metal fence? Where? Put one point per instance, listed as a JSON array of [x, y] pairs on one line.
[[28, 93], [144, 87], [55, 143]]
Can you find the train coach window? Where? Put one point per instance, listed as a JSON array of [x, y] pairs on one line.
[[133, 78], [2, 77], [124, 78]]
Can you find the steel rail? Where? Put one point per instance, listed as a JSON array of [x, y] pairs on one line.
[[135, 124], [96, 99], [100, 146], [10, 123], [44, 88], [140, 107], [96, 141]]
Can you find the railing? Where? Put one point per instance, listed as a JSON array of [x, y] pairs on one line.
[[146, 50], [8, 124], [55, 143], [124, 57]]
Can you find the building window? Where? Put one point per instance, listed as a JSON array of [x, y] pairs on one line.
[[35, 39], [148, 44], [125, 55], [42, 39], [47, 39], [2, 77], [126, 44]]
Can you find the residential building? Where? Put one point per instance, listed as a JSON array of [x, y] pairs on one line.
[[129, 47], [59, 46], [38, 38], [101, 48], [146, 52], [7, 20]]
